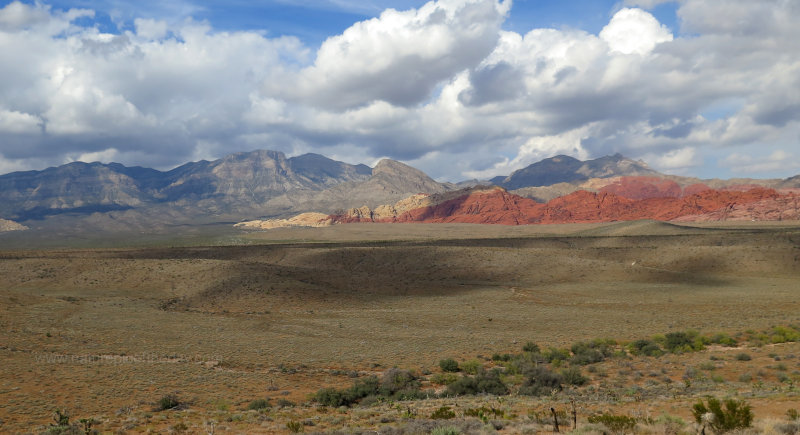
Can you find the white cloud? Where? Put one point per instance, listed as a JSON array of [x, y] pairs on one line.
[[150, 28], [104, 156], [398, 57], [634, 31], [674, 161], [777, 161], [19, 123], [441, 86]]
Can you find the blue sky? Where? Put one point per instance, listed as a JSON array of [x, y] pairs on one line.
[[315, 20], [458, 88]]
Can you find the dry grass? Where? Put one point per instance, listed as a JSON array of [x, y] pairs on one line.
[[107, 332]]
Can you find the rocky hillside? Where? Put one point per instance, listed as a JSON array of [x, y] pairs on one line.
[[7, 225], [498, 206], [239, 184]]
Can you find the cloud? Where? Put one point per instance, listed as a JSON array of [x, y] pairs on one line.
[[441, 86], [634, 31], [398, 57], [777, 161]]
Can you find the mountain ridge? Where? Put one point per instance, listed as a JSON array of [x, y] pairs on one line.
[[267, 184]]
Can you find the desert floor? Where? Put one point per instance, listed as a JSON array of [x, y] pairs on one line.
[[104, 332]]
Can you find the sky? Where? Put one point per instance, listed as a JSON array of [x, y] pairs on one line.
[[461, 89]]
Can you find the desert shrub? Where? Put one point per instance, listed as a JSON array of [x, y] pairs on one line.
[[724, 416], [444, 378], [554, 354], [466, 385], [573, 376], [294, 426], [331, 397], [449, 365], [783, 334], [484, 413], [501, 357], [743, 357], [791, 428], [258, 404], [680, 342], [645, 347], [540, 381], [614, 423], [443, 413], [585, 353], [485, 382], [793, 414], [531, 347], [395, 381], [471, 367], [169, 401], [489, 382], [670, 424], [724, 339], [446, 430], [284, 403], [708, 365]]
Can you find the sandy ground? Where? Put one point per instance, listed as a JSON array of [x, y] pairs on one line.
[[103, 331]]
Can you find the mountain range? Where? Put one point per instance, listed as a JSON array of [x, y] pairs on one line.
[[267, 184]]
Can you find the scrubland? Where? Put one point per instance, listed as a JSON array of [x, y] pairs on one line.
[[109, 333]]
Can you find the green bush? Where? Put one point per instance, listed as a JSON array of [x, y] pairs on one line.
[[614, 423], [258, 404], [169, 401], [680, 342], [743, 357], [395, 383], [531, 347], [554, 354], [724, 339], [646, 347], [443, 413], [573, 376], [294, 426], [332, 397], [587, 353], [444, 378], [449, 365], [540, 381], [284, 403], [485, 382], [503, 357], [726, 416], [471, 367]]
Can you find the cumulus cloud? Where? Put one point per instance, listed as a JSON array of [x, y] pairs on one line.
[[398, 57], [634, 31], [441, 86]]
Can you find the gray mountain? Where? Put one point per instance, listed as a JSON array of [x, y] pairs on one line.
[[236, 184], [566, 169], [390, 182]]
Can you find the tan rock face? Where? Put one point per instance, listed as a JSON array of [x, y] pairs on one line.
[[301, 220], [7, 225]]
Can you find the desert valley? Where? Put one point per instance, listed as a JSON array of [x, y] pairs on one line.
[[251, 294]]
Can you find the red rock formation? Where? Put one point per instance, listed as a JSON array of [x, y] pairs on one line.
[[644, 187], [497, 206], [655, 187]]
